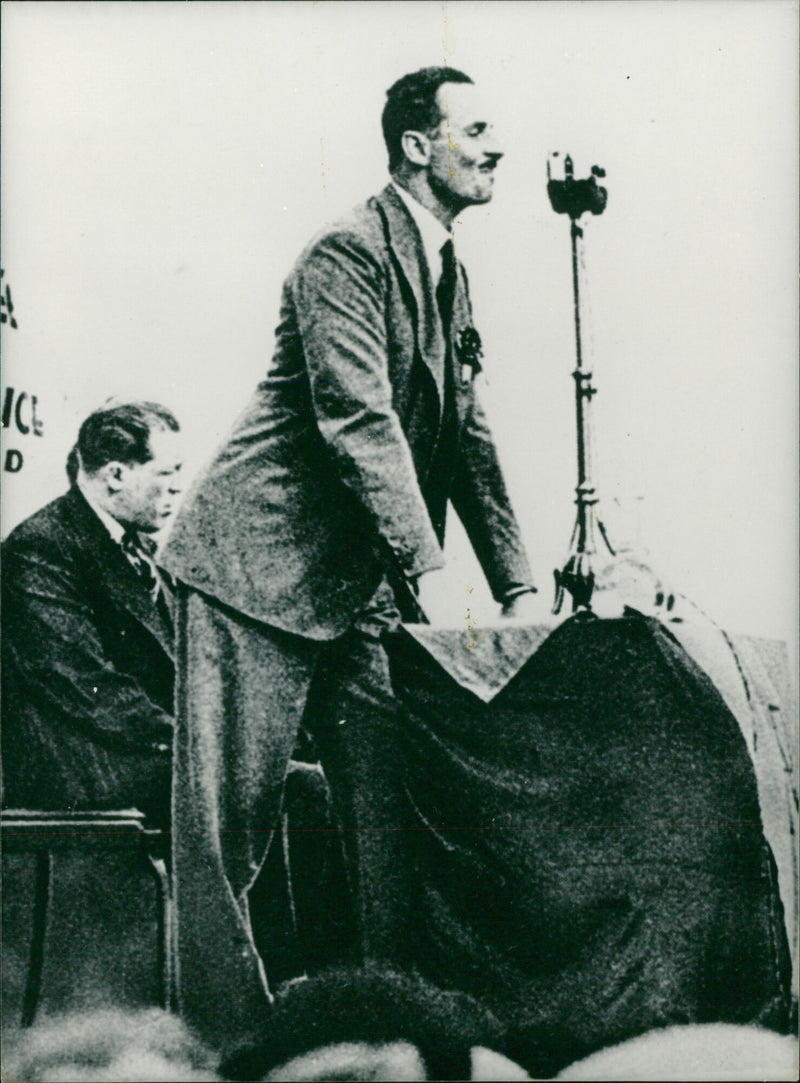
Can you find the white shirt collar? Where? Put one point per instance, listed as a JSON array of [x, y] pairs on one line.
[[431, 230], [114, 528]]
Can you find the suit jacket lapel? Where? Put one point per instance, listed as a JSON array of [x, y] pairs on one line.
[[117, 576], [406, 245]]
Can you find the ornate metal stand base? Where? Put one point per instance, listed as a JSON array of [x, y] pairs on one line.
[[577, 577]]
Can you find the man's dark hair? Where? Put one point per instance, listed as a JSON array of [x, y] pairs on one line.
[[120, 433], [411, 106], [373, 1004], [72, 465]]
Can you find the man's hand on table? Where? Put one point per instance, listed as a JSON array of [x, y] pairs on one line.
[[532, 607], [435, 598]]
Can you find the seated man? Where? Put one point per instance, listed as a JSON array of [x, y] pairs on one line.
[[87, 633]]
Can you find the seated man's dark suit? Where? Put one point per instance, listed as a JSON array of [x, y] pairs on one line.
[[88, 670], [336, 475]]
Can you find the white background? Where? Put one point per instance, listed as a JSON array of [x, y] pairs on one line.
[[164, 164]]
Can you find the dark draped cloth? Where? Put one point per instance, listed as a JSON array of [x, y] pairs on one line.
[[587, 847]]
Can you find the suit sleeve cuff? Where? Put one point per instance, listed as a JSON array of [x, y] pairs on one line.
[[514, 592], [413, 563]]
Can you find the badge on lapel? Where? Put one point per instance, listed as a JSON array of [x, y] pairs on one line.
[[469, 351]]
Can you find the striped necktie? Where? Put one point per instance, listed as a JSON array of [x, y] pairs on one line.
[[139, 551]]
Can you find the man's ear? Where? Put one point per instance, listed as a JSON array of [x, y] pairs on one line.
[[113, 474], [416, 147]]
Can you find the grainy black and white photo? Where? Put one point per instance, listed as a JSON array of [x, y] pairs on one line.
[[399, 540]]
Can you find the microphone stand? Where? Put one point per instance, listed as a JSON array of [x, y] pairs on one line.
[[575, 197]]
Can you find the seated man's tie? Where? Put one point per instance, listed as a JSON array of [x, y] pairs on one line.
[[140, 551]]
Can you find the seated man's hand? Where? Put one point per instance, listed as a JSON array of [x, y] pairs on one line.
[[532, 607]]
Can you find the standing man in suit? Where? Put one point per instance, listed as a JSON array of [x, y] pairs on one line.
[[88, 669], [333, 484]]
